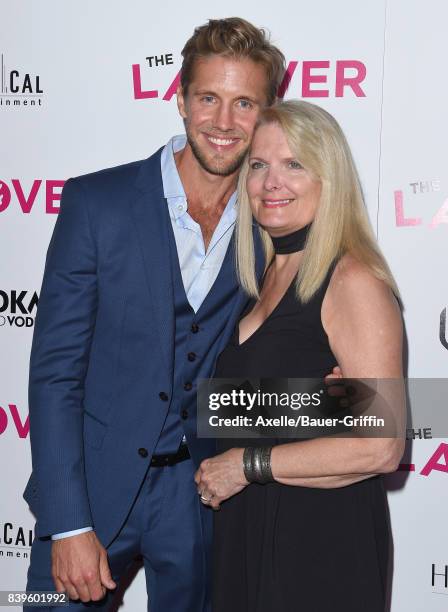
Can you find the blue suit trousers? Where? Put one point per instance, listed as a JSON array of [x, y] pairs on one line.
[[170, 529]]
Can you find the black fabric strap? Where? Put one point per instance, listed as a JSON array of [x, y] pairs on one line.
[[291, 243]]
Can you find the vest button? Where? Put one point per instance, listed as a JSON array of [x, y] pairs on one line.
[[163, 396], [188, 386], [191, 356], [184, 414], [195, 328], [142, 452]]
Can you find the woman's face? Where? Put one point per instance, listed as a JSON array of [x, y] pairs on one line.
[[283, 195]]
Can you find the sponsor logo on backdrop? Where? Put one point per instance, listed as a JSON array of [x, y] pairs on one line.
[[443, 334], [19, 88], [10, 418], [303, 79], [412, 202], [437, 462], [439, 578], [17, 308], [42, 194], [15, 540]]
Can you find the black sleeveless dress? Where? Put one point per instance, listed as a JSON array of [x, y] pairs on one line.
[[285, 548]]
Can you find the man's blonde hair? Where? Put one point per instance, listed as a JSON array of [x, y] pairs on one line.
[[235, 38]]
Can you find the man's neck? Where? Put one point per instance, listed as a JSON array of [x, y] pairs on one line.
[[207, 194], [206, 190]]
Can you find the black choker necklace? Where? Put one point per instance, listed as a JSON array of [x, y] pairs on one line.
[[291, 243]]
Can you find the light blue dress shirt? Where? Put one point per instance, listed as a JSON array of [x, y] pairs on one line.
[[199, 267]]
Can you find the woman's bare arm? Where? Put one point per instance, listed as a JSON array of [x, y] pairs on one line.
[[363, 322]]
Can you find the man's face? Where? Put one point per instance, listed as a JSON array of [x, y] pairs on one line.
[[220, 110]]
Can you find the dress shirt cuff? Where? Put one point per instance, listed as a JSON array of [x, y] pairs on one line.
[[67, 534]]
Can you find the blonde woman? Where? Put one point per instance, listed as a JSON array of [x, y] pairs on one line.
[[303, 525]]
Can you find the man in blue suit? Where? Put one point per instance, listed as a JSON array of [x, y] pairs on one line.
[[138, 298]]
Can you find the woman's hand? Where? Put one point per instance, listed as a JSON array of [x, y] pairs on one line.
[[221, 477]]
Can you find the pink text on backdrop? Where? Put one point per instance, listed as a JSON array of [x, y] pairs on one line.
[[348, 75], [27, 198], [434, 463], [401, 220], [342, 79], [22, 428]]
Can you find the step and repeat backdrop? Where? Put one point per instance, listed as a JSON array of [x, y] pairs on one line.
[[87, 85]]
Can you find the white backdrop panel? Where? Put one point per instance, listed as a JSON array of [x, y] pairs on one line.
[[83, 53]]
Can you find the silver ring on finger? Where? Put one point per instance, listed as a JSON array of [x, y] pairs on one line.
[[206, 500]]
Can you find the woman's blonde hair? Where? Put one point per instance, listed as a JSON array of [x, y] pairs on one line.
[[341, 224]]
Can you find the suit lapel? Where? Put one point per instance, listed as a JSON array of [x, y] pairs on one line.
[[153, 226], [152, 223]]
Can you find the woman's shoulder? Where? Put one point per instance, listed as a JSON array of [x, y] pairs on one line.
[[353, 279], [362, 319], [356, 292]]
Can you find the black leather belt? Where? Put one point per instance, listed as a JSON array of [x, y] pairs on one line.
[[171, 459]]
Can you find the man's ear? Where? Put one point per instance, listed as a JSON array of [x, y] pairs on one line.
[[181, 102]]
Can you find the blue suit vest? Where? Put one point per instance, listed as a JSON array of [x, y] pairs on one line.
[[195, 344]]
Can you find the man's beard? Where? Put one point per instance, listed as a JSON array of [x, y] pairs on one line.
[[216, 169]]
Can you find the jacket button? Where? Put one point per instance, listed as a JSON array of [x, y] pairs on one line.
[[195, 328], [163, 396], [184, 414], [191, 356], [142, 452], [188, 386]]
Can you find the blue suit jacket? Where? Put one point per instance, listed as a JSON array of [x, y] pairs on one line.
[[103, 350]]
